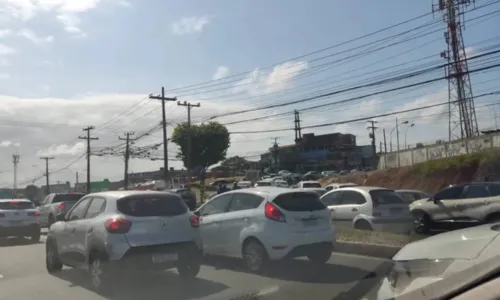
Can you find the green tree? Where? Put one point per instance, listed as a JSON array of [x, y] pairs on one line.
[[209, 143], [31, 191]]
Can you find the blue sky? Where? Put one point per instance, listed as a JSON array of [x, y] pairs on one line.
[[85, 62]]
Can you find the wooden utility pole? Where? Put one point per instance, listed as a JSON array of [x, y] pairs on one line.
[[188, 156], [372, 136], [127, 157], [164, 123], [88, 138], [47, 158]]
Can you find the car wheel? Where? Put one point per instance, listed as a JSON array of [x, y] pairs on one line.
[[50, 221], [255, 256], [99, 273], [189, 264], [35, 236], [321, 256], [52, 261], [422, 222], [363, 225]]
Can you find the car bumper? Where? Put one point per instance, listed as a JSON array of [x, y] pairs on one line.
[[298, 244], [158, 257], [7, 229]]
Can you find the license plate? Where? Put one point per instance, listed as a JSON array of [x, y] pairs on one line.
[[310, 222], [161, 258]]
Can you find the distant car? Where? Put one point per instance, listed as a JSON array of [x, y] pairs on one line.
[[335, 186], [244, 184], [54, 204], [19, 218], [311, 185], [187, 195], [267, 223], [121, 232]]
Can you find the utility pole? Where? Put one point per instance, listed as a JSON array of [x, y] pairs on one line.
[[164, 123], [76, 176], [15, 161], [297, 128], [462, 121], [47, 184], [88, 138], [275, 150], [188, 157], [372, 136], [385, 143], [397, 138], [127, 157]]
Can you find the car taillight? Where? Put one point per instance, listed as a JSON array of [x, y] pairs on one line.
[[14, 202], [273, 213], [34, 214], [61, 206], [195, 221], [118, 225]]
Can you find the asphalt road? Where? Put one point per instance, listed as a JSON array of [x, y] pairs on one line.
[[23, 276]]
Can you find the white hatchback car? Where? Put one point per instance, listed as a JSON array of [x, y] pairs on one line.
[[369, 208], [267, 223]]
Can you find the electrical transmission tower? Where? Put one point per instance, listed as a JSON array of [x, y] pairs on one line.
[[462, 114]]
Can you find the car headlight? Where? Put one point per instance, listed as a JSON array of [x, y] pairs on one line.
[[403, 272]]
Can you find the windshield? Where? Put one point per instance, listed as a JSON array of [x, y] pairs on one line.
[[67, 198], [311, 185], [13, 205]]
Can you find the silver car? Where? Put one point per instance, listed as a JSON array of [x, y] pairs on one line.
[[19, 218], [119, 232]]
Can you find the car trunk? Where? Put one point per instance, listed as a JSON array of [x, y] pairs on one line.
[[16, 211], [304, 212], [387, 203], [156, 219]]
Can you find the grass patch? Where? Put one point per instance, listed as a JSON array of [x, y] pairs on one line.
[[372, 237], [457, 162]]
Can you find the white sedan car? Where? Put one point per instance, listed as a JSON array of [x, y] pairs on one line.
[[267, 223]]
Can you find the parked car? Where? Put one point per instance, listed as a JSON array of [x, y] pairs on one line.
[[311, 185], [267, 223], [470, 204], [412, 195], [369, 208], [334, 186], [54, 204], [19, 218], [120, 232]]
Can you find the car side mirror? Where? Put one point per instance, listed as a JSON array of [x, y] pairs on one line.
[[61, 217]]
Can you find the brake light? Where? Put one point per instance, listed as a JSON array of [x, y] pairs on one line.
[[273, 213], [118, 225], [14, 202], [61, 206], [34, 214], [195, 221]]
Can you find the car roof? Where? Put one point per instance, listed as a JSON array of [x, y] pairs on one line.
[[122, 194], [409, 191], [364, 188], [16, 200], [475, 183], [309, 181]]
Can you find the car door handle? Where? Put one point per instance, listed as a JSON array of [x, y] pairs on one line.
[[354, 209]]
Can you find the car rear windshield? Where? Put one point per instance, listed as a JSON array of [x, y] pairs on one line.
[[13, 205], [386, 197], [152, 205], [299, 202], [67, 197], [311, 185], [263, 183]]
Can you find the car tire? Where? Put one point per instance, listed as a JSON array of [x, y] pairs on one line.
[[189, 264], [52, 260], [321, 256], [422, 222], [363, 225], [99, 273], [255, 256], [35, 236]]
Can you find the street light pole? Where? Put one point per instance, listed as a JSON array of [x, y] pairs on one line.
[[406, 132]]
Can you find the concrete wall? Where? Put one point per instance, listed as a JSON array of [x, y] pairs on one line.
[[418, 155]]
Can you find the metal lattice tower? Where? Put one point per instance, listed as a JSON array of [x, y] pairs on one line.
[[462, 114]]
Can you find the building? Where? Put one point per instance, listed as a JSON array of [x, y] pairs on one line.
[[319, 152]]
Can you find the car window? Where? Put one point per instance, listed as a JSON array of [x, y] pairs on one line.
[[78, 211], [311, 185], [14, 205], [494, 189], [329, 188], [217, 205], [476, 191], [242, 201], [67, 198], [386, 197], [153, 205], [352, 197], [449, 193], [96, 207], [410, 197], [299, 201], [333, 198]]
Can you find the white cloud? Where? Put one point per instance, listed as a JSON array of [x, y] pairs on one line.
[[221, 72], [30, 35], [4, 76], [124, 3], [6, 50], [5, 144], [63, 149], [5, 33], [190, 25]]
